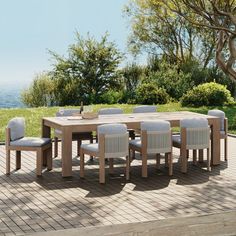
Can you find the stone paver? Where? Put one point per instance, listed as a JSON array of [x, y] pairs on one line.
[[29, 204]]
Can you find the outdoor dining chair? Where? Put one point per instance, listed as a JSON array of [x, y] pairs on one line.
[[194, 135], [78, 136], [156, 138], [16, 141], [110, 111], [113, 111], [223, 128], [112, 143], [144, 109]]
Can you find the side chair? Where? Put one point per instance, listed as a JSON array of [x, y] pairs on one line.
[[110, 111], [156, 138], [112, 143], [16, 141], [145, 109], [78, 136], [142, 109], [223, 128], [194, 135]]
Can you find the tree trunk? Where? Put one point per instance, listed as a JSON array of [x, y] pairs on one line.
[[226, 65]]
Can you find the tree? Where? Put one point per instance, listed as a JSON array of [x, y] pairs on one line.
[[89, 71], [132, 76], [40, 93], [217, 15], [169, 35]]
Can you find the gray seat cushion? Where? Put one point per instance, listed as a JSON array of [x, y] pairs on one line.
[[30, 142], [90, 147], [136, 142], [176, 139]]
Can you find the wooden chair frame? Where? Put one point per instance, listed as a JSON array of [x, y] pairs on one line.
[[101, 155], [143, 151], [225, 137], [184, 153], [43, 152]]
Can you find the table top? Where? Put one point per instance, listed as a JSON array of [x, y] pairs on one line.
[[124, 118]]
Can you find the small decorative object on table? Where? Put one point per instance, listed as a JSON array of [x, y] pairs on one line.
[[89, 115]]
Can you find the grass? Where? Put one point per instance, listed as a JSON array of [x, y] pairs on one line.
[[33, 116]]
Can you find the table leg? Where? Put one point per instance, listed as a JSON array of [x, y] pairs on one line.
[[215, 142], [66, 152], [46, 133], [46, 130]]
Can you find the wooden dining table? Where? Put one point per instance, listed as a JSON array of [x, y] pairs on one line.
[[71, 124]]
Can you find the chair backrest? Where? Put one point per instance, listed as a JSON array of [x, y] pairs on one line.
[[144, 109], [17, 128], [67, 112], [110, 111], [113, 140], [156, 136], [221, 115], [195, 133]]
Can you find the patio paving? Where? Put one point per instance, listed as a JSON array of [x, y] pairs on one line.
[[29, 204]]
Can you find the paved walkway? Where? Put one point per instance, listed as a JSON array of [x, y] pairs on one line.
[[29, 204], [217, 224]]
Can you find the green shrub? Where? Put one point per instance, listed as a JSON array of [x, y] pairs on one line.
[[132, 76], [111, 97], [200, 75], [208, 94], [148, 93], [176, 84], [40, 92], [128, 97]]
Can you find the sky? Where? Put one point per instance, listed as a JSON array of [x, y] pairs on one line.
[[29, 28]]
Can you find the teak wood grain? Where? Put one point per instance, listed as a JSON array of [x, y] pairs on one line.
[[77, 124]]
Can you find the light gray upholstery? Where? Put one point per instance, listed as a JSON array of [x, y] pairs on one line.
[[57, 132], [110, 111], [112, 129], [221, 115], [17, 128], [30, 142], [115, 140], [158, 136], [90, 147], [197, 133], [144, 109], [176, 139], [157, 125], [194, 123], [67, 112]]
